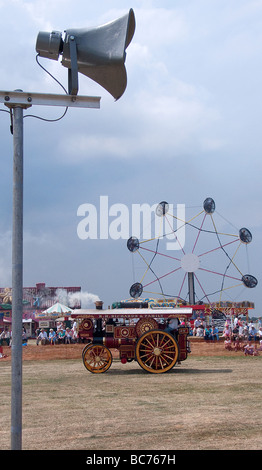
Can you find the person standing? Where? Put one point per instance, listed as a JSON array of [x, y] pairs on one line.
[[197, 323]]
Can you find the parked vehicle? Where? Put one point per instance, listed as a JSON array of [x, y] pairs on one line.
[[156, 338]]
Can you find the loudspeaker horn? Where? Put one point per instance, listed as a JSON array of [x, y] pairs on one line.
[[98, 53]]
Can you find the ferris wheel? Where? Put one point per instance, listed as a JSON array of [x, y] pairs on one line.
[[211, 266]]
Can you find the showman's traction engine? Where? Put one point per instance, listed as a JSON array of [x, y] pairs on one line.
[[155, 338]]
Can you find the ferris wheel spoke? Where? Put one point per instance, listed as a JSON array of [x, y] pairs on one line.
[[177, 239], [182, 284], [205, 295], [234, 257], [219, 274], [160, 254], [161, 277], [204, 218], [217, 248], [149, 268]]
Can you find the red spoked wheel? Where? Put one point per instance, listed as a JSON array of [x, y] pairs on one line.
[[157, 351]]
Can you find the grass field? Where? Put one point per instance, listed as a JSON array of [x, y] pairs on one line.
[[204, 403]]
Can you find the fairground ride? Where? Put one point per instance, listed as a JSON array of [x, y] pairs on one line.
[[210, 272]]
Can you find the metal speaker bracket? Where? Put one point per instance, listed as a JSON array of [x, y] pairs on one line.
[[73, 71]]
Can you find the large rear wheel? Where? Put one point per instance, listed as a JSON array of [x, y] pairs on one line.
[[157, 351], [97, 358]]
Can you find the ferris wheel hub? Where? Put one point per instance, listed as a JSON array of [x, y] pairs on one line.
[[190, 263]]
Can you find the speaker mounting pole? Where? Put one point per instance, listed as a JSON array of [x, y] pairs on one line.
[[73, 71], [17, 101], [17, 274]]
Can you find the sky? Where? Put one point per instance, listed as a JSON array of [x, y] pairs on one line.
[[186, 128]]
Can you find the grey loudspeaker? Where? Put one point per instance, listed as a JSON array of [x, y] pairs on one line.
[[98, 53]]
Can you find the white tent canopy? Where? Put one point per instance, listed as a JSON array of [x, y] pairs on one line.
[[58, 310]]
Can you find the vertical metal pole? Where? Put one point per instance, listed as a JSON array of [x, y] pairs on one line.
[[17, 280], [191, 288]]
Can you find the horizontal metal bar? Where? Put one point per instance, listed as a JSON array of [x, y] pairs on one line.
[[26, 99]]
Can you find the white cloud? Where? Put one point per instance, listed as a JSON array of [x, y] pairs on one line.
[[161, 27], [175, 118]]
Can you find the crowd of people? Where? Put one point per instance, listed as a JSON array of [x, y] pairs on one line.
[[243, 336], [202, 330], [62, 335], [242, 330], [238, 335], [6, 337]]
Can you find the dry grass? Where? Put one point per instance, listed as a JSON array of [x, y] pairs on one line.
[[205, 403]]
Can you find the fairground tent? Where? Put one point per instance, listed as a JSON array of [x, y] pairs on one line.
[[57, 310]]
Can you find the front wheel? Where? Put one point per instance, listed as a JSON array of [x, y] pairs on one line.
[[97, 358], [157, 351]]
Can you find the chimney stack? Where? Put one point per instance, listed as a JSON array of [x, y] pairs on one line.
[[99, 304]]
